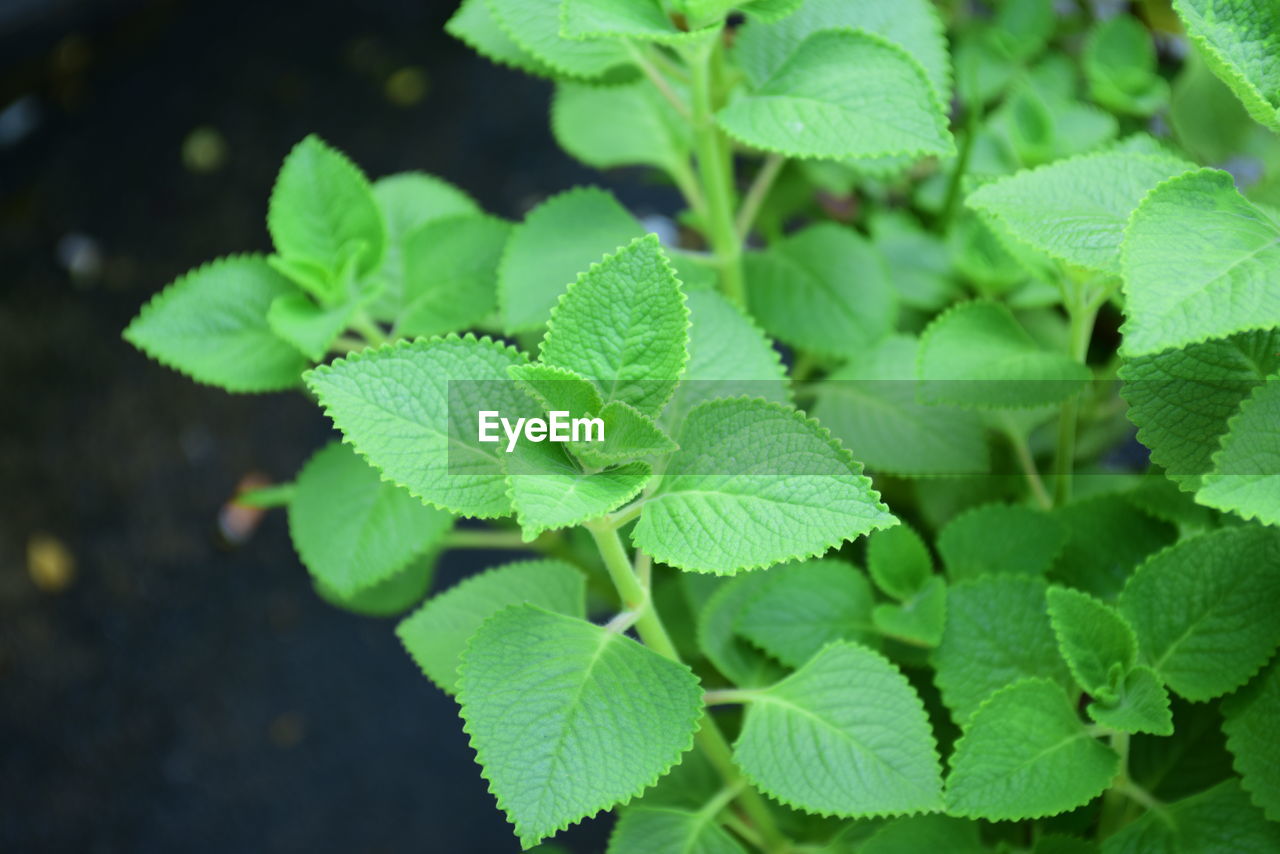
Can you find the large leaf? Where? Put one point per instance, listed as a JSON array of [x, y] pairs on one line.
[[754, 484], [1250, 724], [1219, 819], [534, 26], [450, 274], [1204, 609], [1246, 470], [628, 125], [568, 718], [211, 325], [1240, 40], [844, 735], [918, 833], [664, 830]]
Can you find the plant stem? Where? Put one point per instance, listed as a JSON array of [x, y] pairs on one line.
[[368, 329], [1114, 802], [655, 77], [266, 497], [485, 538], [757, 192], [1028, 465], [1082, 314]]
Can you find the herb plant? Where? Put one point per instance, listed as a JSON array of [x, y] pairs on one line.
[[725, 632]]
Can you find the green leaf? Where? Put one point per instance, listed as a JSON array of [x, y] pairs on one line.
[[568, 718], [628, 125], [410, 410], [1203, 610], [919, 260], [628, 434], [322, 210], [558, 388], [437, 633], [871, 405], [844, 735], [825, 289], [1076, 210], [311, 328], [1025, 754], [1240, 40], [549, 490], [641, 20], [739, 661], [1246, 469], [1182, 400], [997, 632], [918, 620], [917, 833], [388, 598], [211, 324], [977, 355], [754, 484], [1000, 539], [812, 107], [450, 274], [899, 561], [1093, 638], [807, 605], [624, 325], [475, 25], [663, 830], [1021, 30], [1198, 262], [354, 530], [1217, 820], [1250, 724], [1052, 843], [1141, 705], [1119, 62], [557, 240], [534, 25]]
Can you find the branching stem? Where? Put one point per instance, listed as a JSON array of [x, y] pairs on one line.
[[757, 192]]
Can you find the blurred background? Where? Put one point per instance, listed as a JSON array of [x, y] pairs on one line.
[[161, 690]]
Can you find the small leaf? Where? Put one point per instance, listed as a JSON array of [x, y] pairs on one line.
[[844, 735], [755, 484], [534, 25], [475, 25], [1218, 819], [1119, 61], [740, 662], [1000, 539], [550, 491], [628, 435], [311, 328], [1025, 754], [1141, 705], [918, 620], [211, 325], [899, 561], [1203, 610], [1093, 638], [1240, 41], [437, 633], [1246, 469], [662, 830], [568, 718], [628, 125], [1250, 724], [641, 20]]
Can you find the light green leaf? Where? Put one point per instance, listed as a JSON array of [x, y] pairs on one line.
[[663, 830], [398, 407], [474, 25], [918, 620], [628, 434], [1025, 754], [311, 328], [1141, 705], [997, 632], [1240, 40], [918, 833], [871, 405], [549, 490], [437, 633], [211, 324], [1076, 210], [641, 20], [1021, 30], [534, 25], [844, 735], [977, 355], [899, 561], [568, 718], [450, 274], [354, 530], [807, 605], [557, 240], [1204, 610], [1000, 539], [919, 261], [1246, 469], [1250, 724], [322, 210], [1217, 820], [1106, 538], [812, 107], [624, 325], [739, 661], [1198, 262], [627, 125], [1093, 638], [1119, 62], [754, 484], [825, 289], [388, 598]]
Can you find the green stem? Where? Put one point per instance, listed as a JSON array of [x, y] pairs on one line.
[[1021, 452], [485, 538], [368, 329], [267, 497], [655, 77], [1114, 802], [757, 192], [1082, 314]]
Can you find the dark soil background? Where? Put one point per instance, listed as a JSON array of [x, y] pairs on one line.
[[172, 694]]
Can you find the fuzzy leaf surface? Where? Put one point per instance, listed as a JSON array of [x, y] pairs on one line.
[[628, 434], [627, 125], [534, 25], [450, 274], [641, 20], [899, 561], [310, 327], [1246, 469], [1093, 637], [1240, 40], [1218, 819], [1250, 724], [1000, 539], [664, 830], [1141, 705], [549, 490], [475, 26], [918, 619]]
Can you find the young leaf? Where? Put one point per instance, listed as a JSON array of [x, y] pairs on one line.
[[211, 325], [1025, 754], [662, 830], [917, 620], [1218, 819], [977, 355], [1119, 61], [997, 632], [534, 25], [1250, 724], [1076, 210], [475, 26], [1240, 40], [628, 125], [550, 491], [918, 833], [628, 434], [410, 410], [1198, 262], [844, 735], [740, 662], [1246, 469], [624, 325], [755, 484], [311, 328], [1141, 705], [899, 561], [1202, 610], [1093, 638], [807, 605], [812, 107], [322, 210], [557, 240], [568, 718], [437, 633], [998, 539], [354, 530], [825, 289], [641, 20]]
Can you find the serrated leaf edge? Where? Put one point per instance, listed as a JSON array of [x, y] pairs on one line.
[[559, 69], [1223, 445]]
